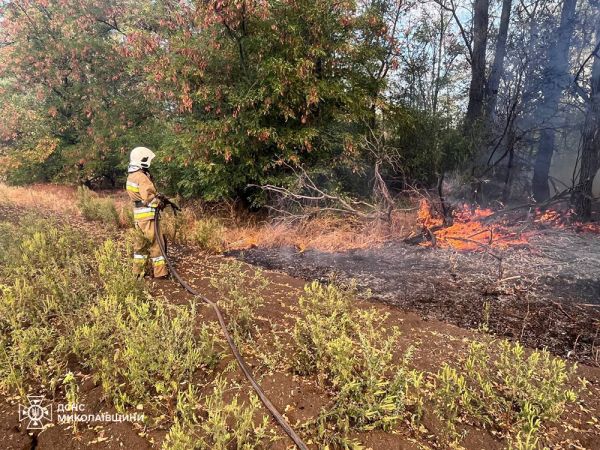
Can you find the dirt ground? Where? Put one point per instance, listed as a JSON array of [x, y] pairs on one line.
[[452, 297]]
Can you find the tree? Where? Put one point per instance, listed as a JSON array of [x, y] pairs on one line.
[[478, 63], [555, 79], [497, 70], [255, 85], [590, 149], [61, 63]]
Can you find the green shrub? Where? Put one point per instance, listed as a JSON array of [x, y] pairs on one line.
[[227, 424], [240, 295], [157, 348], [62, 295], [208, 235], [512, 393], [46, 281], [351, 354], [97, 209]]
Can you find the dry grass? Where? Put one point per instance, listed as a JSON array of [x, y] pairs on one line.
[[59, 199], [44, 197], [328, 234]]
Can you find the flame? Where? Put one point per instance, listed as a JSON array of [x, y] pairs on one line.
[[469, 231], [566, 219]]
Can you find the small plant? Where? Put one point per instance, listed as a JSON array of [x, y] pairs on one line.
[[510, 392], [484, 326], [71, 394], [351, 354], [231, 424], [227, 424], [157, 348], [63, 295], [240, 295], [44, 288], [97, 209], [208, 234], [181, 434]]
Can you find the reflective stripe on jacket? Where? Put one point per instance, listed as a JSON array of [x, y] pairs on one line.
[[145, 213], [141, 189], [133, 187]]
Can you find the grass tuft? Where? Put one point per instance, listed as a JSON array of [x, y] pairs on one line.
[[97, 209]]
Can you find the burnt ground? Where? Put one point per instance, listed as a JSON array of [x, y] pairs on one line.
[[545, 294]]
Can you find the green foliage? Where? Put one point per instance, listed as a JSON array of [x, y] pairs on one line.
[[227, 95], [71, 394], [95, 208], [205, 232], [208, 234], [512, 393], [46, 278], [240, 295], [157, 349], [62, 295], [351, 354], [228, 424], [218, 427], [76, 108]]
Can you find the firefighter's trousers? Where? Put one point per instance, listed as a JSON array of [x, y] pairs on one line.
[[146, 245]]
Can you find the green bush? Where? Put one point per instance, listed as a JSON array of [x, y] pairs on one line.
[[240, 294], [157, 349], [45, 278], [97, 209], [351, 354], [208, 235], [512, 393], [227, 424], [63, 295]]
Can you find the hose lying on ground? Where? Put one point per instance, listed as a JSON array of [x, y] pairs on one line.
[[236, 353]]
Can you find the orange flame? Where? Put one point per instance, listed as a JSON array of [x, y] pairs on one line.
[[557, 219], [468, 231]]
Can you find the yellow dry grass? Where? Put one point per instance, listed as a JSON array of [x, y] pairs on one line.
[[328, 234], [57, 198], [43, 197]]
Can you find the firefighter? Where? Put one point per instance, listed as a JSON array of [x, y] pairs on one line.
[[146, 200]]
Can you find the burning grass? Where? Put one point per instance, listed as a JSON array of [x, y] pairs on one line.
[[471, 228], [474, 229], [566, 220]]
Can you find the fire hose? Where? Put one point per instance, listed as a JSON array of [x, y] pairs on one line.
[[236, 353]]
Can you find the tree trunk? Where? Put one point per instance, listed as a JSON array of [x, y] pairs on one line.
[[555, 80], [590, 149], [498, 65], [477, 86]]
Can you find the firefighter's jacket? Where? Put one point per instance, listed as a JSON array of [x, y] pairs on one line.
[[142, 193]]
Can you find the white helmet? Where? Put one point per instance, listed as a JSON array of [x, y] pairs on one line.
[[141, 157]]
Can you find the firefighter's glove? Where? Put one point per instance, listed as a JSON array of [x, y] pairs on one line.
[[156, 203]]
